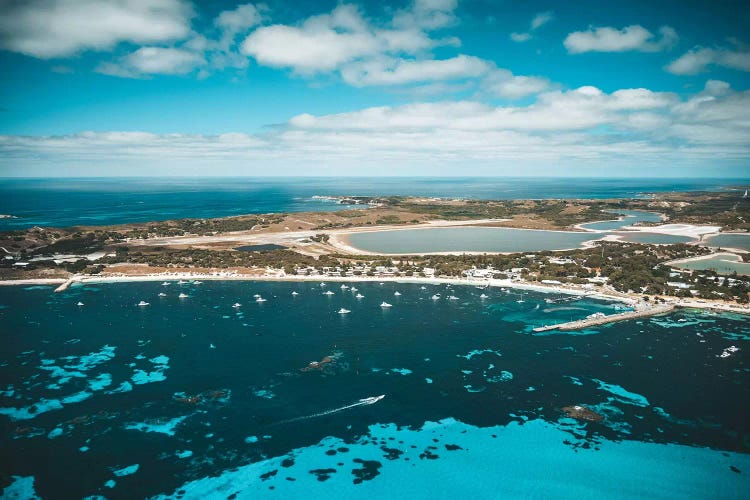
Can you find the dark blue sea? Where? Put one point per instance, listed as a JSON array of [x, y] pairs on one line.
[[103, 201], [196, 398]]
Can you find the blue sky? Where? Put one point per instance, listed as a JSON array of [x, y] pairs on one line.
[[424, 87]]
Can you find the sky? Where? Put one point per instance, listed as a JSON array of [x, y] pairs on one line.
[[411, 87]]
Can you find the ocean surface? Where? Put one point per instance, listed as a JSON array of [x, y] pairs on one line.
[[195, 398], [102, 201]]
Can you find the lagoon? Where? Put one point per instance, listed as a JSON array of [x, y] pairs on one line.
[[720, 263], [629, 217], [467, 239], [653, 238], [730, 240]]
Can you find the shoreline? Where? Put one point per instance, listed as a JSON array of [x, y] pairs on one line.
[[608, 295]]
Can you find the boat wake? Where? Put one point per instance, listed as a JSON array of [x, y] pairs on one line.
[[362, 402]]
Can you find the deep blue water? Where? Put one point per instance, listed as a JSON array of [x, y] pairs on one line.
[[194, 398], [69, 202]]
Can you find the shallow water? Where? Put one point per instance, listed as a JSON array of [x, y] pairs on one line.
[[719, 265], [731, 240], [629, 217], [653, 238], [193, 397]]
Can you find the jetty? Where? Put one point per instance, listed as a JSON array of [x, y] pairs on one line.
[[66, 285], [596, 320]]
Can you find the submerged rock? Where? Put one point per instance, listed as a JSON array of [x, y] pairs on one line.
[[582, 413]]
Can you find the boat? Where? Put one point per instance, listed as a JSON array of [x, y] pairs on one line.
[[344, 287], [371, 399], [143, 303], [256, 296], [80, 304], [166, 283], [359, 296], [354, 289], [183, 296], [182, 282], [260, 299], [520, 301], [452, 297], [196, 282], [295, 293], [483, 296], [328, 292], [385, 304], [423, 288], [236, 305], [162, 294], [322, 284], [396, 293], [344, 311], [436, 297]]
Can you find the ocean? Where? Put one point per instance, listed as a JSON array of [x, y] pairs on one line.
[[104, 201], [196, 398]]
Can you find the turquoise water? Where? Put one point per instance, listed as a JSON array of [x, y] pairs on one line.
[[653, 238], [731, 240], [195, 398], [467, 239], [629, 217], [721, 266], [103, 201]]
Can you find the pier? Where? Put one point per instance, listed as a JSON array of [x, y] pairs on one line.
[[610, 318], [66, 285]]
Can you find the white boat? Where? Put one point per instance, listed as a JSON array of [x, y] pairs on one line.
[[520, 301], [328, 292], [436, 297], [396, 293], [183, 296], [166, 283], [385, 304], [344, 287], [182, 282], [452, 297], [372, 399], [322, 284], [143, 303], [483, 296], [295, 293], [354, 289], [260, 299], [423, 287], [80, 304], [236, 305], [344, 311], [256, 296], [359, 296], [196, 282], [162, 294]]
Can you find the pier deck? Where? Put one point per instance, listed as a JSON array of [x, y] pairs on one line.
[[610, 318]]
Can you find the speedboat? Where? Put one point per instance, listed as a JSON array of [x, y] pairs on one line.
[[166, 283], [182, 282], [143, 303], [236, 305], [435, 297], [162, 294], [260, 299], [354, 289], [196, 282], [295, 293], [328, 292], [423, 288], [79, 304], [359, 296], [256, 296], [520, 301], [372, 399], [344, 311], [183, 296], [452, 297], [396, 293], [483, 296], [344, 287], [385, 304]]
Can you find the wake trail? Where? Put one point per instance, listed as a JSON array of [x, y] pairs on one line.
[[362, 402]]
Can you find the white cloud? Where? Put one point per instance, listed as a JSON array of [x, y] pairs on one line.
[[580, 127], [541, 19], [60, 28], [402, 71], [504, 83], [326, 42], [698, 60], [537, 22], [607, 39], [520, 37], [154, 61], [239, 19]]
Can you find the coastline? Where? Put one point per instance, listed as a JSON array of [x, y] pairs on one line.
[[610, 295]]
